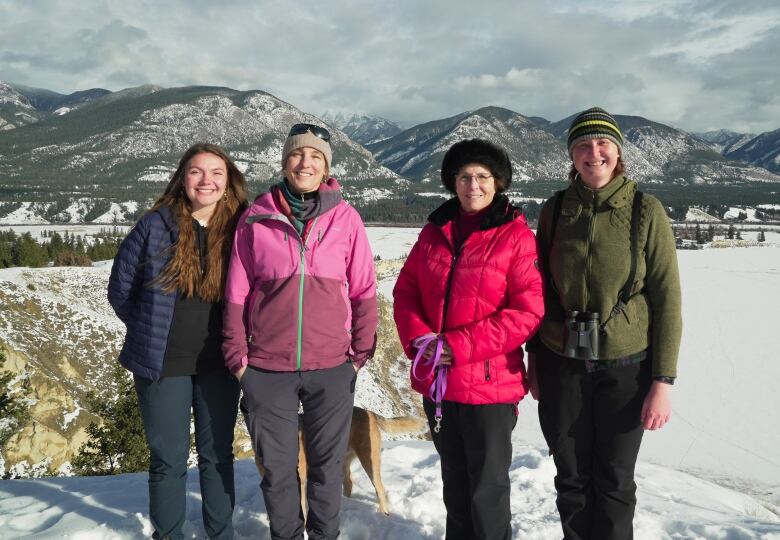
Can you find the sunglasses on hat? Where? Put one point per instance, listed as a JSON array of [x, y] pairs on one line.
[[317, 131]]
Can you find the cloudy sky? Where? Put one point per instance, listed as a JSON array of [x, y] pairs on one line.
[[692, 64]]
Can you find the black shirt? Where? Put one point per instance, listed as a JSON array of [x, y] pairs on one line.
[[195, 338]]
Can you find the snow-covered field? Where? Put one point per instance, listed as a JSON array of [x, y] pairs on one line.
[[712, 473]]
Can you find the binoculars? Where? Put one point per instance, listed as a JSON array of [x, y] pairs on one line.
[[581, 335]]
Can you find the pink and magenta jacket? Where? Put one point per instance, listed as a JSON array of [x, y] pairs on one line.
[[297, 303], [485, 300]]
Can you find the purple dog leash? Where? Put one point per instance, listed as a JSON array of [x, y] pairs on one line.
[[439, 385]]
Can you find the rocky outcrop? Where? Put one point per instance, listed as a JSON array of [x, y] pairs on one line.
[[60, 335]]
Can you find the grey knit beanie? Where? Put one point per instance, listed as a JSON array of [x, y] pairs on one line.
[[294, 142]]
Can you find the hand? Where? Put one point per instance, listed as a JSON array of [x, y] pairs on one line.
[[445, 358], [533, 383], [657, 408], [240, 373]]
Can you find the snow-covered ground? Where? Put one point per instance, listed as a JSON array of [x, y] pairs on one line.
[[672, 505], [712, 473]]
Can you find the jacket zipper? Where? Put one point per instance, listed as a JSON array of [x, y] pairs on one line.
[[299, 349], [300, 307], [588, 256], [450, 278], [447, 292], [487, 369]]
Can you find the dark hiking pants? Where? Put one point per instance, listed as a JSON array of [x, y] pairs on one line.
[[591, 422], [475, 448], [166, 408], [271, 400]]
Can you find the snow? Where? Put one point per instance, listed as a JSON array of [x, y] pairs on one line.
[[23, 214], [697, 214], [117, 214], [672, 505], [69, 417], [392, 242], [733, 213], [711, 473]]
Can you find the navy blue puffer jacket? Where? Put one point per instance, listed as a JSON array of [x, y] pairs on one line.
[[146, 310]]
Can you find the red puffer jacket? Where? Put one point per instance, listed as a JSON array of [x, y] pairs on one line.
[[492, 294]]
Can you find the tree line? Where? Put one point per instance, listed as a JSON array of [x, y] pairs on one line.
[[60, 250]]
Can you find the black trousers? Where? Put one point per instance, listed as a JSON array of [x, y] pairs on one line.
[[475, 447], [167, 405], [591, 422], [271, 401]]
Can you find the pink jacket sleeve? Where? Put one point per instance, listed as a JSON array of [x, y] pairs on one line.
[[361, 278]]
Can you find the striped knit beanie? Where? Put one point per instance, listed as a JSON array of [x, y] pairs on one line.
[[594, 123]]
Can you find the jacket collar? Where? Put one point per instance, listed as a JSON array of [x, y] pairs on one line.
[[168, 219], [619, 192], [499, 212]]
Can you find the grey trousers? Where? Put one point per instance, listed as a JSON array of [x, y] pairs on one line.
[[271, 403]]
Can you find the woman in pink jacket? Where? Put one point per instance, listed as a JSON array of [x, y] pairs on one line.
[[300, 319], [467, 298]]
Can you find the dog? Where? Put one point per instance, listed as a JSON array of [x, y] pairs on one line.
[[365, 444]]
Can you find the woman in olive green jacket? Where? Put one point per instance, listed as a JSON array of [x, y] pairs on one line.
[[605, 357]]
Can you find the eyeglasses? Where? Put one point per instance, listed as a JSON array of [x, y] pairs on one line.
[[317, 131], [481, 179]]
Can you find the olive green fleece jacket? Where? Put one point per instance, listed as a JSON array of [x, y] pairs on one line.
[[589, 264]]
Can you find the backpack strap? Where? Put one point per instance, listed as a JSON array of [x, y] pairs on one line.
[[551, 303], [625, 292], [636, 214], [557, 205]]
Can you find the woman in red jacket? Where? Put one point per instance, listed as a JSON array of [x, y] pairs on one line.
[[467, 298]]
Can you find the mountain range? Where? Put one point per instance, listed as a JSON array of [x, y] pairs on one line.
[[74, 157], [362, 128]]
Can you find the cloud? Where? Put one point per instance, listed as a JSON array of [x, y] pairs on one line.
[[695, 64]]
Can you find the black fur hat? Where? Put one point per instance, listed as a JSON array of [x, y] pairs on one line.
[[483, 153]]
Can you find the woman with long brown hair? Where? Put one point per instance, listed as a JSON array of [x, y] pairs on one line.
[[167, 284]]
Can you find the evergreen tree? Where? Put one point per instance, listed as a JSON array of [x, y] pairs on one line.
[[761, 235], [700, 236], [731, 231], [6, 254], [56, 245], [118, 445], [27, 252], [14, 409], [739, 235]]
